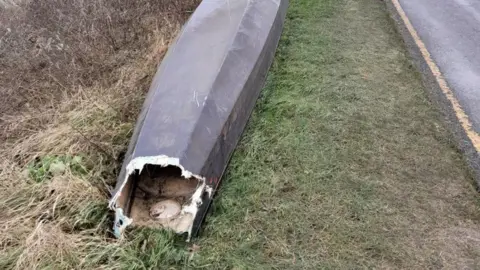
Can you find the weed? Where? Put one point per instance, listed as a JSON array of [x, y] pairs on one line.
[[45, 167]]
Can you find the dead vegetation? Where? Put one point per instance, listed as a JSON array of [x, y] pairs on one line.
[[73, 75]]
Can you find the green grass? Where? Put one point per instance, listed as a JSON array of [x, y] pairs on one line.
[[345, 163]]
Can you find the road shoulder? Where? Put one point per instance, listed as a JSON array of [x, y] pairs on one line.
[[434, 90]]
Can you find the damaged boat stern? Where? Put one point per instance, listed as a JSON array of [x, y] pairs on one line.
[[152, 188]]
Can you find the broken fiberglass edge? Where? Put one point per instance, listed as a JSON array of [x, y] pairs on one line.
[[194, 114]]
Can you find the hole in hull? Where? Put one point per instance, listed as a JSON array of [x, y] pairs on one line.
[[158, 197]]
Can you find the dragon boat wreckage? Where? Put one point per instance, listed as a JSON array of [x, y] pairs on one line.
[[194, 114]]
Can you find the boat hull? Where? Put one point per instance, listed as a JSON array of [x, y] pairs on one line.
[[200, 101]]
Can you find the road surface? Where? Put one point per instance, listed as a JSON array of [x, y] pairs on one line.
[[450, 30]]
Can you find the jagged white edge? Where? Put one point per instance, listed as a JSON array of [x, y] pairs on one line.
[[139, 163]]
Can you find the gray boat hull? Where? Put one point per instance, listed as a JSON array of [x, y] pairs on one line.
[[200, 100]]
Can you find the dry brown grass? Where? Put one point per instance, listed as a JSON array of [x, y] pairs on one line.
[[72, 79]]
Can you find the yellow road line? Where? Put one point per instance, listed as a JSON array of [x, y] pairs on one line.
[[459, 112]]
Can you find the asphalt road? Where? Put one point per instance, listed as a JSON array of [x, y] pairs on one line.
[[450, 30]]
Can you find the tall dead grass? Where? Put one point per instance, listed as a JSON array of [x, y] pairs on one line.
[[73, 74]]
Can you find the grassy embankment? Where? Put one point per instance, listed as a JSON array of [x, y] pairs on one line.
[[345, 163]]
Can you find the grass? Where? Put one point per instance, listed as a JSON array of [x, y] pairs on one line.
[[73, 75], [344, 164]]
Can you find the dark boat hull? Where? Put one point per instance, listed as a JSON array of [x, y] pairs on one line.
[[200, 100]]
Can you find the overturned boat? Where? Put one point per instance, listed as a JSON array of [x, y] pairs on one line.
[[194, 114]]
